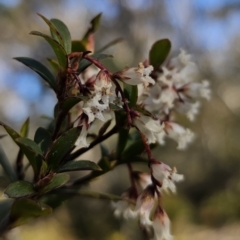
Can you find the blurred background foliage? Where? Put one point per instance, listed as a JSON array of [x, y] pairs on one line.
[[207, 204]]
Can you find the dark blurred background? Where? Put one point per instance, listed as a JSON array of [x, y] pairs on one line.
[[207, 204]]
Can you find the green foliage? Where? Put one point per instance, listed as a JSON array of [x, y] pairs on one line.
[[79, 165], [57, 48], [40, 69], [57, 181], [63, 31], [62, 146], [8, 170], [52, 151], [159, 52], [43, 139], [20, 189], [25, 128]]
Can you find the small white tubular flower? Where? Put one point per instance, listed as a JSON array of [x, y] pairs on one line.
[[123, 208], [197, 89], [103, 86], [165, 176], [190, 109], [114, 98], [161, 225], [148, 127], [181, 135], [135, 76], [145, 205], [82, 140], [142, 179], [93, 109]]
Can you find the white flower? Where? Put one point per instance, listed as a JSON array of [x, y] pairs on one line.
[[125, 208], [197, 89], [82, 140], [161, 225], [190, 109], [148, 126], [145, 205], [135, 76], [93, 109], [181, 135], [142, 179], [165, 176], [103, 86]]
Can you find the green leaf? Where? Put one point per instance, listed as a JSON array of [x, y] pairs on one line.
[[12, 133], [159, 52], [62, 146], [78, 46], [85, 63], [8, 170], [143, 111], [64, 33], [54, 64], [54, 32], [79, 165], [72, 101], [25, 209], [20, 189], [43, 139], [132, 94], [114, 107], [32, 152], [104, 127], [57, 181], [95, 23], [5, 209], [25, 128], [40, 69], [122, 141], [136, 148], [30, 144], [57, 48]]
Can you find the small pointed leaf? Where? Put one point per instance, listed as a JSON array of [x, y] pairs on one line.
[[57, 181], [78, 46], [159, 52], [104, 127], [79, 166], [54, 32], [57, 48], [72, 101], [54, 64], [64, 33], [40, 69], [62, 146], [25, 128], [20, 189], [43, 139], [8, 170]]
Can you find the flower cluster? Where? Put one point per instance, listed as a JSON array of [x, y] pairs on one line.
[[161, 93], [147, 198]]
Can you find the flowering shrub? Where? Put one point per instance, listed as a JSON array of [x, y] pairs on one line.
[[138, 102]]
